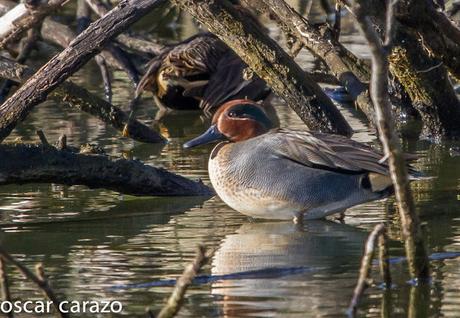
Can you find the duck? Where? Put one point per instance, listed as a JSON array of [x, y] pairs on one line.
[[201, 72], [280, 173]]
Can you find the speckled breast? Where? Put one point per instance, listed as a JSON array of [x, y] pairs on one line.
[[230, 177]]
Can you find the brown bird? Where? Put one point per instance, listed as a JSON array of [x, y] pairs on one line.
[[201, 72]]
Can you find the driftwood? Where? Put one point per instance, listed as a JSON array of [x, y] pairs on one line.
[[44, 163], [321, 44], [270, 62], [80, 98], [416, 252], [63, 65]]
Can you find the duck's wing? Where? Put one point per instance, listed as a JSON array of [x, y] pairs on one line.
[[185, 63], [232, 80], [328, 152]]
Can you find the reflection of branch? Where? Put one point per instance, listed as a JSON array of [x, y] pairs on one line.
[[384, 259], [365, 270], [40, 279], [415, 249], [177, 297], [6, 296]]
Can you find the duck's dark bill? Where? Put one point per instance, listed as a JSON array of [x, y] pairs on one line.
[[210, 135]]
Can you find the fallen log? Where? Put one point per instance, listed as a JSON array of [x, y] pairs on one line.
[[26, 163], [439, 35], [81, 99], [266, 58], [64, 64]]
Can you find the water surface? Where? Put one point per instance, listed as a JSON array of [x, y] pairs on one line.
[[92, 240]]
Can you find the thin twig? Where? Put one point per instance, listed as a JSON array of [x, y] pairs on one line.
[[336, 29], [415, 248], [365, 270], [42, 137], [384, 262], [4, 282], [176, 299], [39, 280]]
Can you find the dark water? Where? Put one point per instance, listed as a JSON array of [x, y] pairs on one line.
[[92, 240]]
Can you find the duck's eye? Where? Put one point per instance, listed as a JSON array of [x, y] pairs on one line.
[[232, 114]]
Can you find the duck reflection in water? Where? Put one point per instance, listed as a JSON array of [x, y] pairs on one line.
[[324, 249]]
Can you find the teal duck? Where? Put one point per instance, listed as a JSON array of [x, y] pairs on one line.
[[288, 174], [201, 72]]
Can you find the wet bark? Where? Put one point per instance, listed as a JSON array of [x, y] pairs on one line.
[[270, 62], [426, 81], [22, 164], [324, 46], [423, 77], [63, 65], [439, 35], [80, 98]]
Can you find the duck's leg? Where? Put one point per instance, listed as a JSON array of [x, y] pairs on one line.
[[340, 217], [298, 218]]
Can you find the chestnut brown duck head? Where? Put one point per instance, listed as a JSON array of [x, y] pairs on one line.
[[235, 121], [201, 72], [283, 173]]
